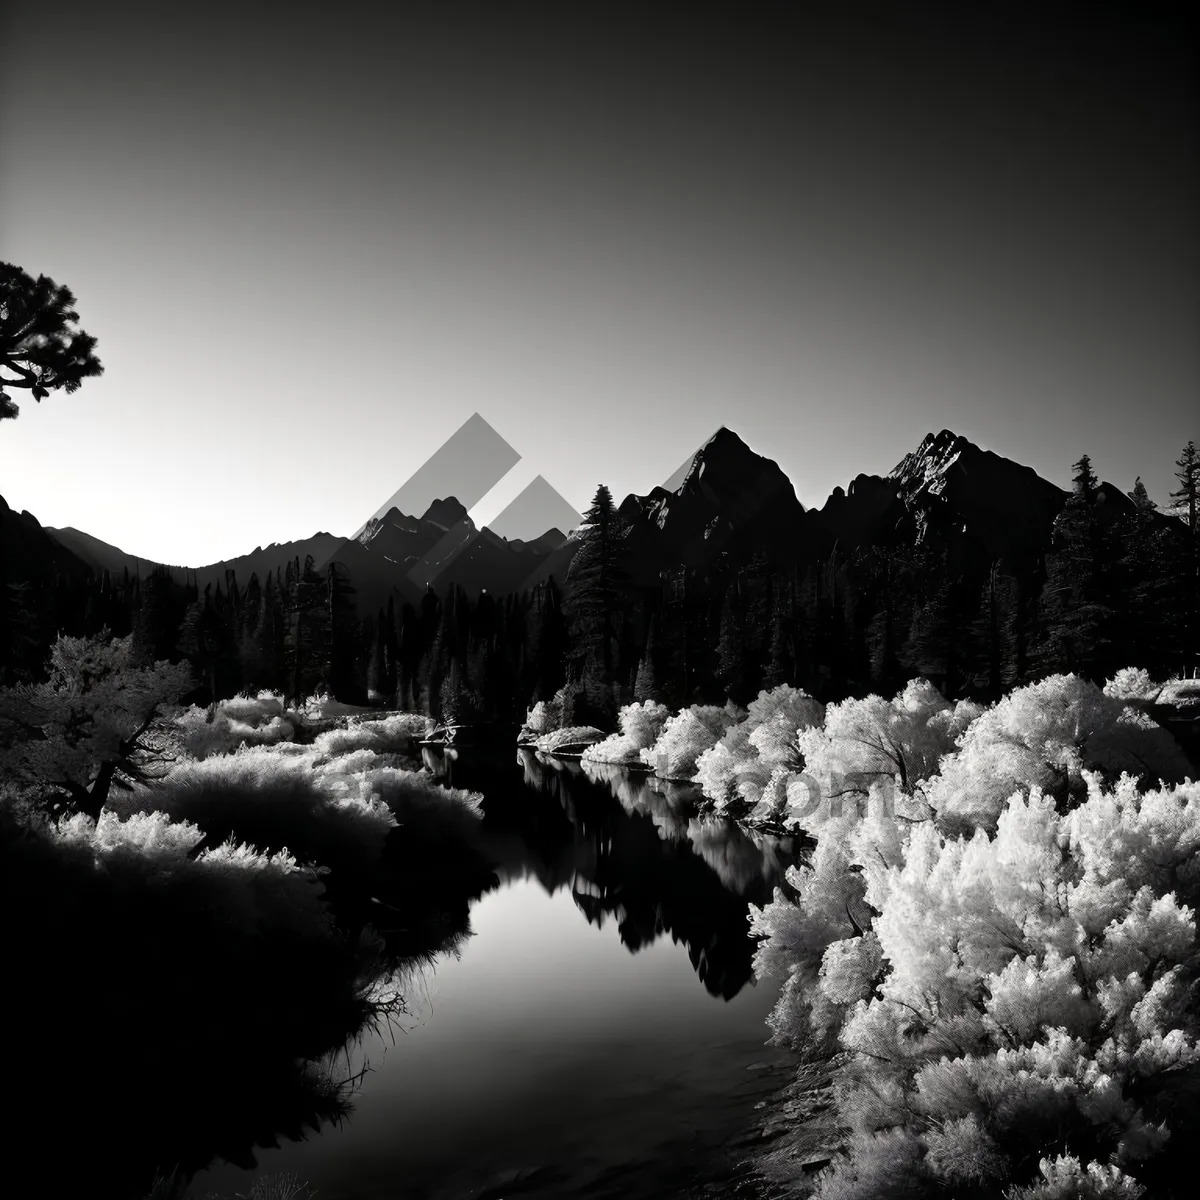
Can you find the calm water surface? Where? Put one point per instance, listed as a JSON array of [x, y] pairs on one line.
[[600, 1033]]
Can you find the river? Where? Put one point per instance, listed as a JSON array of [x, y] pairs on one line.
[[599, 1033]]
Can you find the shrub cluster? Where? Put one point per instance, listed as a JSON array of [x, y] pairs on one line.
[[996, 945]]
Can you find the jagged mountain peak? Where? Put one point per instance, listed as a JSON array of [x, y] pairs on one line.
[[446, 512], [727, 463], [928, 464]]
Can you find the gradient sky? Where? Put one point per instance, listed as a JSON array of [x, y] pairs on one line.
[[313, 239]]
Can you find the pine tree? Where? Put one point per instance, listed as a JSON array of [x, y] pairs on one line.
[[781, 662], [731, 646], [160, 610], [1147, 625], [991, 643], [1076, 615], [550, 641], [646, 684], [595, 583], [41, 348], [341, 626], [307, 637], [1187, 506]]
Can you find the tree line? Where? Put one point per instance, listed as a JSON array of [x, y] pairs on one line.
[[1105, 594]]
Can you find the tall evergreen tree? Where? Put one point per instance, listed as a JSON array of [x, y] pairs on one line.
[[646, 685], [595, 583], [549, 639], [1187, 506], [731, 647], [1076, 614]]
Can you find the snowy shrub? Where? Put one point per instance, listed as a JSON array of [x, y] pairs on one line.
[[559, 739], [1132, 684], [270, 801], [1031, 984], [246, 891], [748, 758], [685, 737], [544, 717], [641, 725], [323, 707], [254, 710], [95, 723], [1046, 735], [1182, 695], [395, 734], [871, 741], [202, 735]]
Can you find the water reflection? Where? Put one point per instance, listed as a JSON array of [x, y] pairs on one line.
[[631, 849]]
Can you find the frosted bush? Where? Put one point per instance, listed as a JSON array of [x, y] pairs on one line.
[[544, 717], [987, 990], [152, 840], [1132, 684], [640, 727], [95, 722], [200, 736], [557, 739], [1182, 695], [271, 801], [1066, 1178], [253, 710], [685, 737], [396, 734], [248, 892], [323, 707], [870, 743], [1046, 735], [742, 763]]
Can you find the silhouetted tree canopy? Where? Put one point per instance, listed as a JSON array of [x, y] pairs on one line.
[[41, 348]]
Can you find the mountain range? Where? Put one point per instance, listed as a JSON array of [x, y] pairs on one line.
[[731, 501]]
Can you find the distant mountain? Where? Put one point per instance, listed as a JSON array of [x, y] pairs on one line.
[[260, 561], [949, 491], [539, 507], [467, 465], [732, 499], [730, 502], [33, 607], [980, 506], [101, 556], [31, 554]]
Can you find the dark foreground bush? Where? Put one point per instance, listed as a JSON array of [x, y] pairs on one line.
[[160, 1007]]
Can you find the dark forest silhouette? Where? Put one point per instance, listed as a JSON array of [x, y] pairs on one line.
[[1112, 586]]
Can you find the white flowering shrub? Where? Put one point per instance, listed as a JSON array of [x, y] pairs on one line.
[[1132, 684], [574, 735], [1046, 735], [737, 770], [201, 734], [544, 717], [255, 710], [245, 890], [398, 733], [270, 801], [93, 725], [685, 737], [323, 707], [640, 727], [870, 741], [1032, 984]]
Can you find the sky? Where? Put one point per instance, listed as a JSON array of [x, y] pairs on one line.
[[313, 240]]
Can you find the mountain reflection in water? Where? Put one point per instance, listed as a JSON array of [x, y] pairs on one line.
[[546, 1053], [647, 862]]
